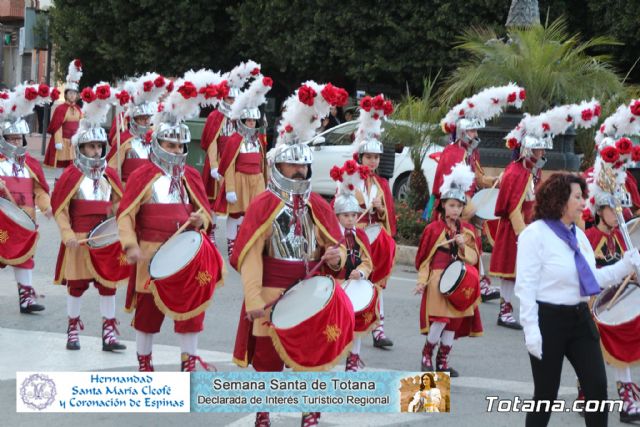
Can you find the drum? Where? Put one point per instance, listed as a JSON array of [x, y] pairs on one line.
[[619, 325], [312, 324], [184, 272], [383, 253], [108, 262], [485, 203], [460, 284], [364, 298], [18, 234]]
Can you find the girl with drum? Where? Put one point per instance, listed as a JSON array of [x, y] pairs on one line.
[[609, 246], [555, 275], [374, 196], [448, 241], [86, 194], [362, 293]]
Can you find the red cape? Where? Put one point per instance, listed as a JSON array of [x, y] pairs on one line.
[[36, 171], [57, 119], [112, 130], [632, 187], [450, 156], [261, 213], [210, 132], [65, 186], [430, 236], [389, 203], [113, 149], [512, 188], [142, 177], [597, 237]]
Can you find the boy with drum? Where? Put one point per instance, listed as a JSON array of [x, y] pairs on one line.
[[86, 194], [375, 198], [23, 183], [358, 266], [444, 241], [287, 232], [161, 196]]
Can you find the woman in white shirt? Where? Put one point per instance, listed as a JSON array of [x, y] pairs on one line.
[[553, 283]]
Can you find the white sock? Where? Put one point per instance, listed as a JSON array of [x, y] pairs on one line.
[[144, 343], [73, 306], [623, 374], [108, 306], [480, 268], [189, 343], [447, 338], [357, 341], [381, 307], [435, 331], [23, 275], [232, 227], [507, 290]]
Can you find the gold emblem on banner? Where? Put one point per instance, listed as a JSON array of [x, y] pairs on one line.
[[122, 259], [368, 316], [332, 332], [467, 293], [203, 277], [4, 236]]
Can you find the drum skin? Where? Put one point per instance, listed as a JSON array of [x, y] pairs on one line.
[[318, 340], [107, 259], [364, 297], [462, 287], [485, 203]]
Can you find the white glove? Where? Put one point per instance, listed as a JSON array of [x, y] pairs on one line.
[[214, 174], [232, 197], [58, 146], [632, 259], [533, 341]]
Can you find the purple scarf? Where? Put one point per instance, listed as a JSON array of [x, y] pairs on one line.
[[588, 283]]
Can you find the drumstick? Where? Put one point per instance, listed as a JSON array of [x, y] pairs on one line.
[[364, 214], [185, 225], [619, 291], [446, 242], [81, 241], [634, 226]]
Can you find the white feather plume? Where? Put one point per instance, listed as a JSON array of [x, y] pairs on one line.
[[252, 97], [484, 105], [239, 75], [369, 124], [94, 113], [461, 177], [140, 96], [621, 123], [74, 73]]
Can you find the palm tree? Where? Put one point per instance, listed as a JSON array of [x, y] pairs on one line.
[[523, 14], [417, 128], [552, 65]]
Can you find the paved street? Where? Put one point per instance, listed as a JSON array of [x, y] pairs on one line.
[[495, 364]]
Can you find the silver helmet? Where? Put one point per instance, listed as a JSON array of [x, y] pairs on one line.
[[144, 109], [171, 132], [455, 193], [465, 124], [530, 143], [17, 127], [346, 203], [371, 144], [224, 106], [250, 113], [298, 154], [90, 166]]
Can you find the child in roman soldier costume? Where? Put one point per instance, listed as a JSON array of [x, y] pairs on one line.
[[462, 123], [514, 207], [135, 146], [448, 245], [287, 232], [375, 198], [358, 265], [242, 162], [23, 184], [160, 197], [64, 122], [87, 193], [219, 126]]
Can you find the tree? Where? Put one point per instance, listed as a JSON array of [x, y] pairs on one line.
[[118, 38], [523, 14]]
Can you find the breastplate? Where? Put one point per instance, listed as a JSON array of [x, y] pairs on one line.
[[285, 245], [91, 190], [228, 127], [530, 194], [139, 150], [163, 192], [6, 169], [250, 146]]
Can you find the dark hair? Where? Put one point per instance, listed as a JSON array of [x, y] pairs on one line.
[[432, 381], [553, 194]]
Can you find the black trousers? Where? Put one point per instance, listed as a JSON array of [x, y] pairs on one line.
[[568, 331]]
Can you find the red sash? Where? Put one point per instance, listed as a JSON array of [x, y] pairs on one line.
[[86, 214], [249, 163], [129, 165], [441, 259], [156, 222], [69, 129], [21, 189]]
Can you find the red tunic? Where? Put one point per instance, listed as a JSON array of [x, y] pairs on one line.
[[68, 130], [511, 198], [211, 134]]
